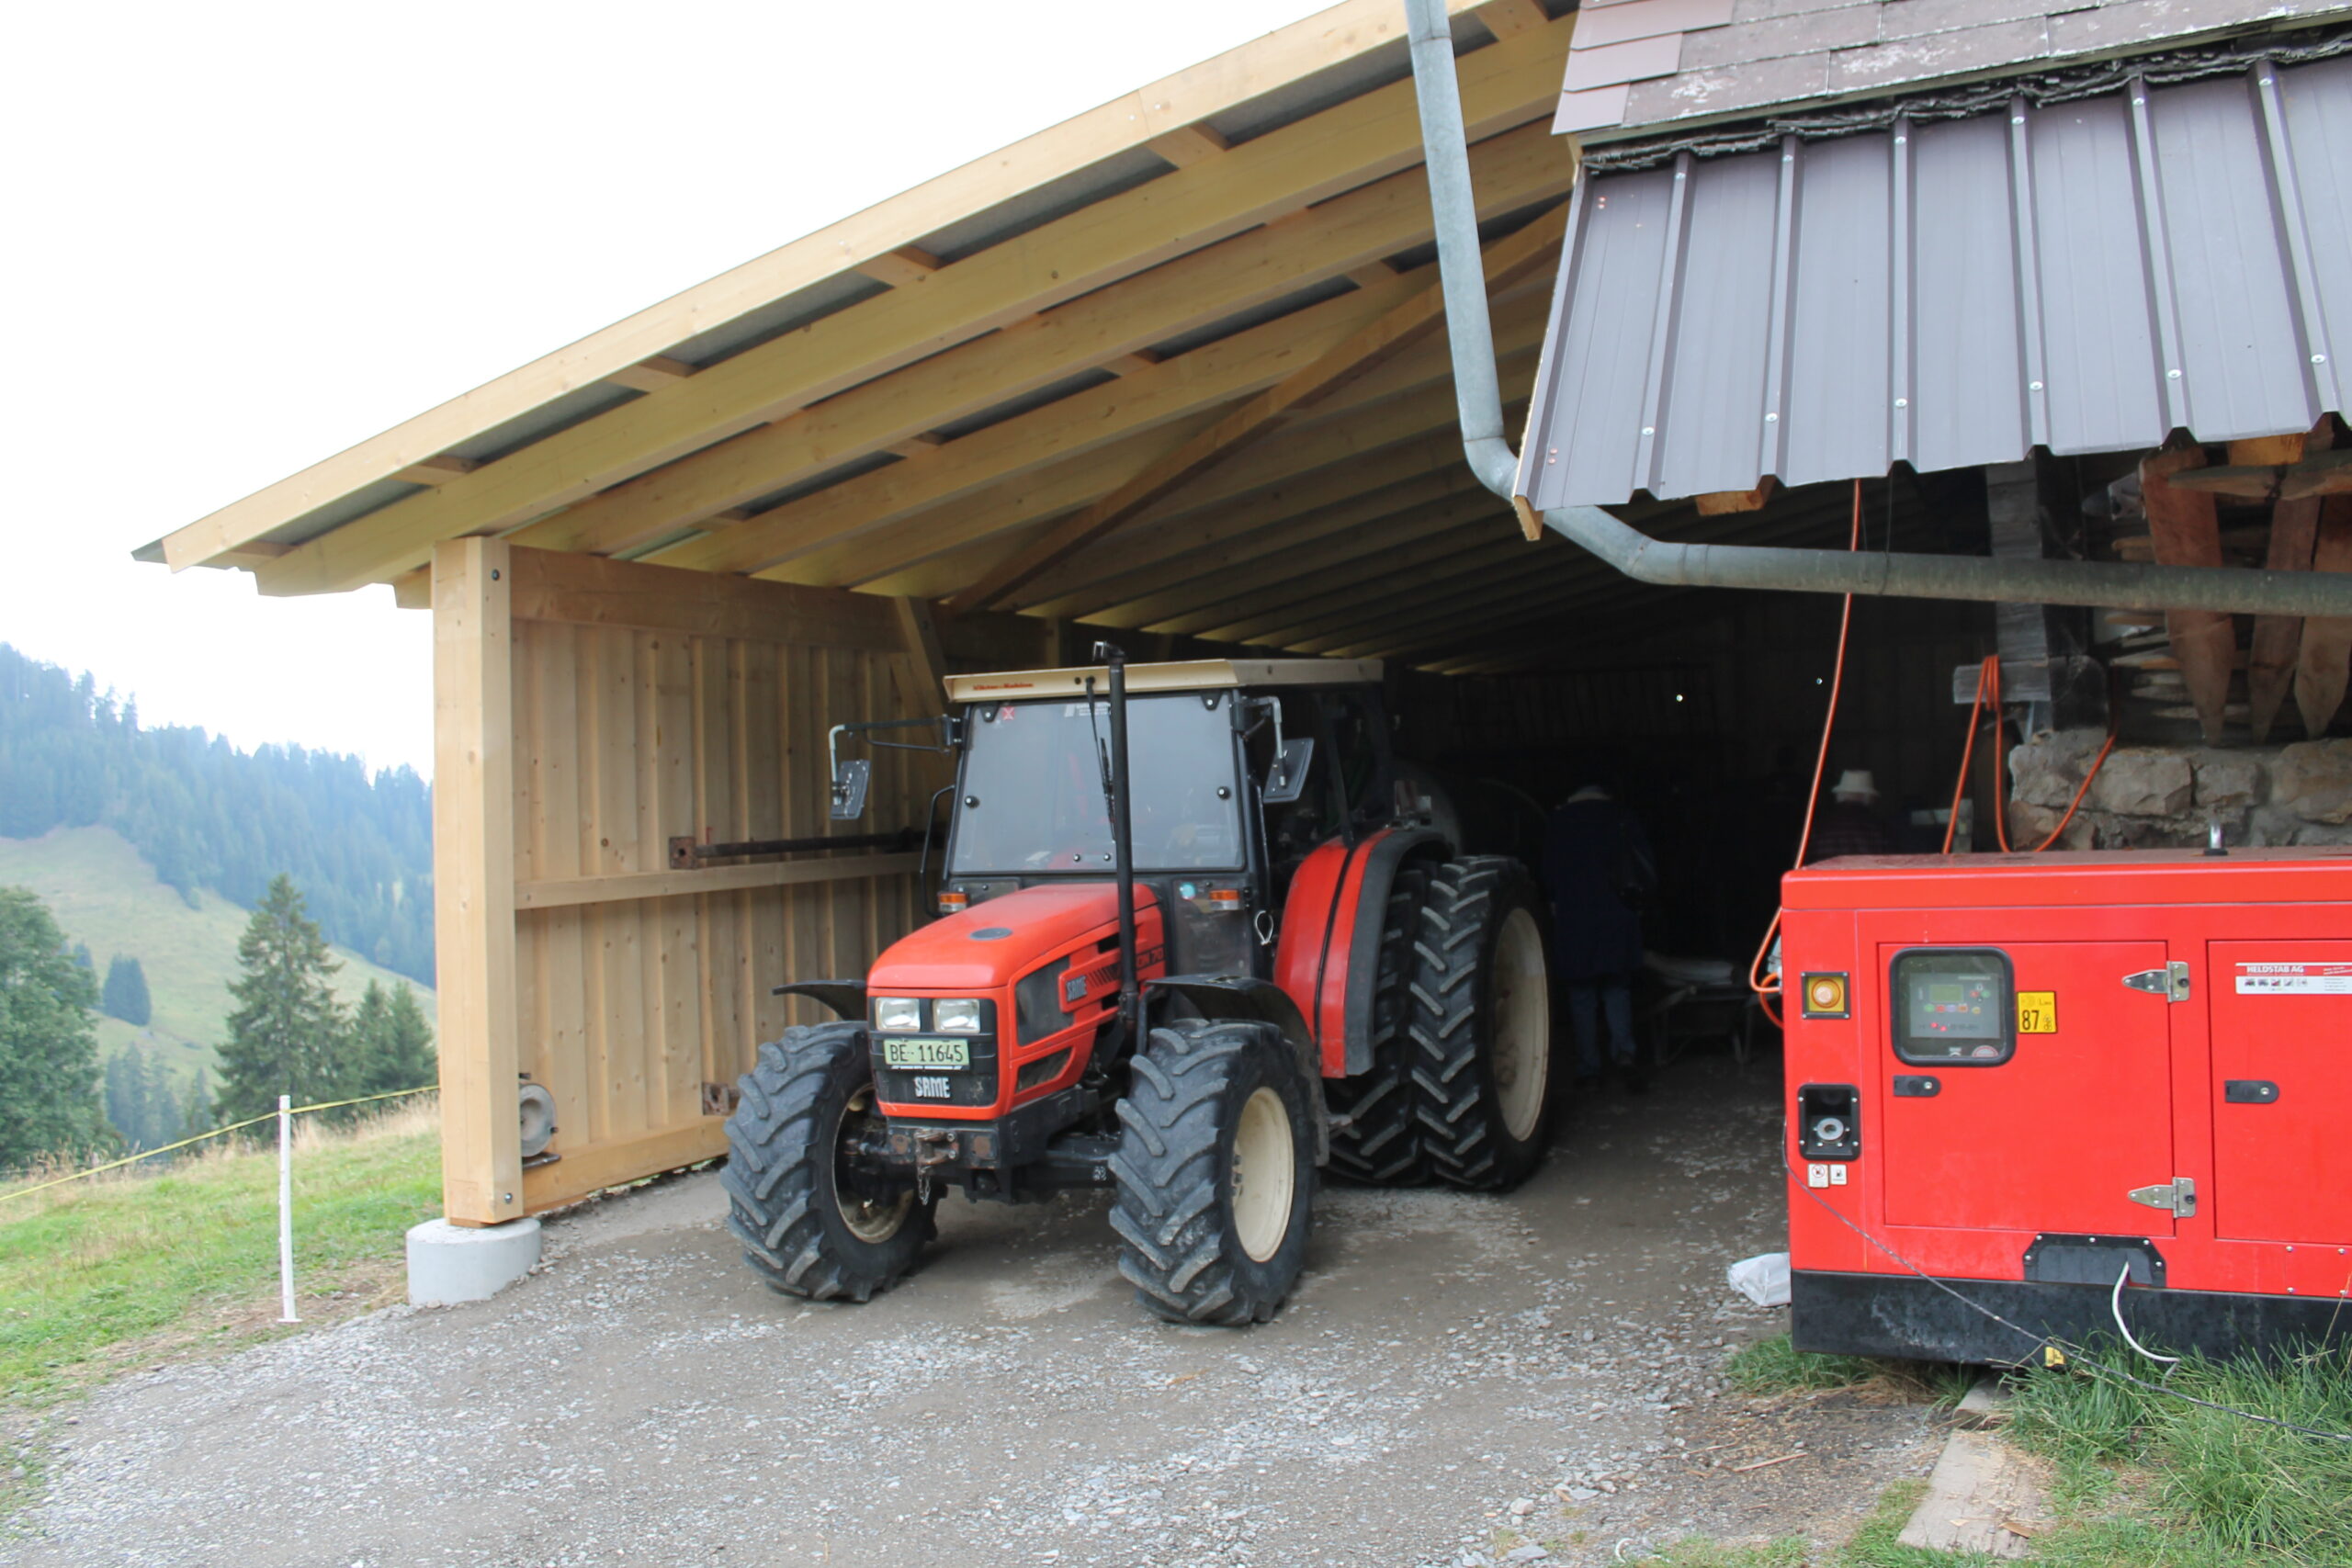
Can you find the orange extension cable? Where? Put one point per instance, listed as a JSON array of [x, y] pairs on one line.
[[1988, 693], [1768, 986]]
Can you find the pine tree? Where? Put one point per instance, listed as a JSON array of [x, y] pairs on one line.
[[49, 1049], [288, 1034], [195, 1112], [391, 1043], [124, 995]]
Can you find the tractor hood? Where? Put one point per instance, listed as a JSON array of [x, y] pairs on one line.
[[992, 944]]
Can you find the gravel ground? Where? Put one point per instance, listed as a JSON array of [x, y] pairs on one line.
[[1461, 1380]]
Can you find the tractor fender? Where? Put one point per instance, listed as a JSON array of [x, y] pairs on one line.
[[847, 998], [1244, 999], [1329, 958]]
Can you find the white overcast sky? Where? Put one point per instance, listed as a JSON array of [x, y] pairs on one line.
[[244, 236]]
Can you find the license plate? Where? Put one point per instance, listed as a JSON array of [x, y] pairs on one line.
[[927, 1053]]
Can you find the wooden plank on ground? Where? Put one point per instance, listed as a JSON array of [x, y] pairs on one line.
[[592, 1170], [2325, 657], [2186, 531]]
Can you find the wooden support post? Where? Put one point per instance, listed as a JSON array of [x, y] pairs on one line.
[[925, 659], [2321, 663], [474, 876], [2186, 531], [2276, 648]]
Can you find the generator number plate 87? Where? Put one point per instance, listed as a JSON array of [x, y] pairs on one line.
[[927, 1053]]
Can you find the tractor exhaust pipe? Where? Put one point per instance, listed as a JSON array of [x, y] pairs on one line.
[[1479, 399], [1122, 861]]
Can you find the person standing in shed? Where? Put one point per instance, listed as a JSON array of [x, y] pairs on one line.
[[1597, 866]]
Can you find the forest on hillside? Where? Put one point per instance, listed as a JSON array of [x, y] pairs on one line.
[[206, 815]]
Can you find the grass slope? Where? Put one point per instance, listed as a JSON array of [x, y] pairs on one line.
[[105, 897], [110, 1274]]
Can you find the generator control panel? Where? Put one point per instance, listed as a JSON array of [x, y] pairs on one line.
[[1954, 1007]]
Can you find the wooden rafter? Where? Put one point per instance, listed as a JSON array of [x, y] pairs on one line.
[[1350, 427], [2186, 532], [898, 268], [1397, 329], [1399, 573], [436, 470], [1210, 575], [1356, 141], [2272, 655], [1231, 608], [652, 375], [2323, 659], [1235, 367], [1188, 144], [1313, 44], [1106, 330]]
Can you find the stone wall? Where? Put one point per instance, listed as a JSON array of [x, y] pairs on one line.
[[2149, 797]]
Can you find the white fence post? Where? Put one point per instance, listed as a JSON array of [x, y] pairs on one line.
[[286, 1209]]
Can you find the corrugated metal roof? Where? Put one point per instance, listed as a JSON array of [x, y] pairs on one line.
[[2084, 277]]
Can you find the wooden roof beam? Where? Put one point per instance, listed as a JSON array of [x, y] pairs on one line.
[[1235, 367], [652, 375], [436, 470], [906, 265], [1108, 329], [1189, 144], [1349, 144], [1328, 38], [1507, 262], [1322, 562]]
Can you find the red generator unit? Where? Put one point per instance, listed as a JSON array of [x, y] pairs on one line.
[[2015, 1080]]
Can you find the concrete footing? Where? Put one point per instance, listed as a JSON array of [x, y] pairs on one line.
[[448, 1264]]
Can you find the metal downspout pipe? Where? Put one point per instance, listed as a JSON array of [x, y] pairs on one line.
[[1478, 397]]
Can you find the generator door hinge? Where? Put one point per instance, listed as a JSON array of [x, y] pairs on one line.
[[2177, 1196], [2171, 982]]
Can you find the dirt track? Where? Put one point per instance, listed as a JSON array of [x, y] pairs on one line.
[[1459, 1375]]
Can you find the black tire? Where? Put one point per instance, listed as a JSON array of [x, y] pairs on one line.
[[1375, 1121], [1463, 1096], [1177, 1177], [800, 1232]]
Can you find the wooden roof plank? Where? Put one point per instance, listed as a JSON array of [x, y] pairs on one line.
[[1362, 139], [1106, 330], [1343, 32]]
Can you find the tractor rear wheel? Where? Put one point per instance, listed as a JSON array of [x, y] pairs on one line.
[[1375, 1126], [1215, 1172], [1482, 1024], [809, 1225]]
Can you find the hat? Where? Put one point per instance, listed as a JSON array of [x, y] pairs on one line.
[[1855, 782]]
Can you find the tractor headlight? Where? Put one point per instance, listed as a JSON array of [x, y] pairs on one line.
[[961, 1016], [896, 1012]]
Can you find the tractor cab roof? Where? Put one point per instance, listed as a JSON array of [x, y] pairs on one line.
[[1185, 675]]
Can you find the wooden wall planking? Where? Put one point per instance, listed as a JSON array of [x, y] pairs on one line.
[[647, 703]]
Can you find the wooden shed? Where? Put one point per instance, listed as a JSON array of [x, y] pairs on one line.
[[1172, 370]]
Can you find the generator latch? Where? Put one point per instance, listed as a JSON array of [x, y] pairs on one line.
[[2171, 982], [2178, 1197]]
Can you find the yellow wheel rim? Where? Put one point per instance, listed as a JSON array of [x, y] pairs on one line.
[[1520, 1016], [1265, 1175]]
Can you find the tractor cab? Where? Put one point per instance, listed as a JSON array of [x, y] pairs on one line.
[[1239, 769], [1197, 939]]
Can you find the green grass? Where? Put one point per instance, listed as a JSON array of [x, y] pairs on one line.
[[2191, 1487], [1773, 1366], [106, 897], [117, 1272]]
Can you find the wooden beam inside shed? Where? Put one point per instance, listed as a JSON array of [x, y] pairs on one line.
[[2186, 531], [652, 375]]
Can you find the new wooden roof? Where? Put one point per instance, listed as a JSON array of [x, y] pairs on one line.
[[1174, 365]]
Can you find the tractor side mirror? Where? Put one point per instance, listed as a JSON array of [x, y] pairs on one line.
[[1286, 780], [850, 781]]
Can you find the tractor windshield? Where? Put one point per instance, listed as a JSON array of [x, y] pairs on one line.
[[1031, 800]]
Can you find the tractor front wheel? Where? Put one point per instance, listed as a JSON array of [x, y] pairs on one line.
[[1215, 1172], [1482, 1024], [810, 1225]]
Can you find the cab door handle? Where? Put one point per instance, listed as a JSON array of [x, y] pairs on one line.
[[2250, 1092]]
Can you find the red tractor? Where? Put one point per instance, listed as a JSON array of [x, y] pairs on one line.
[[1191, 979]]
